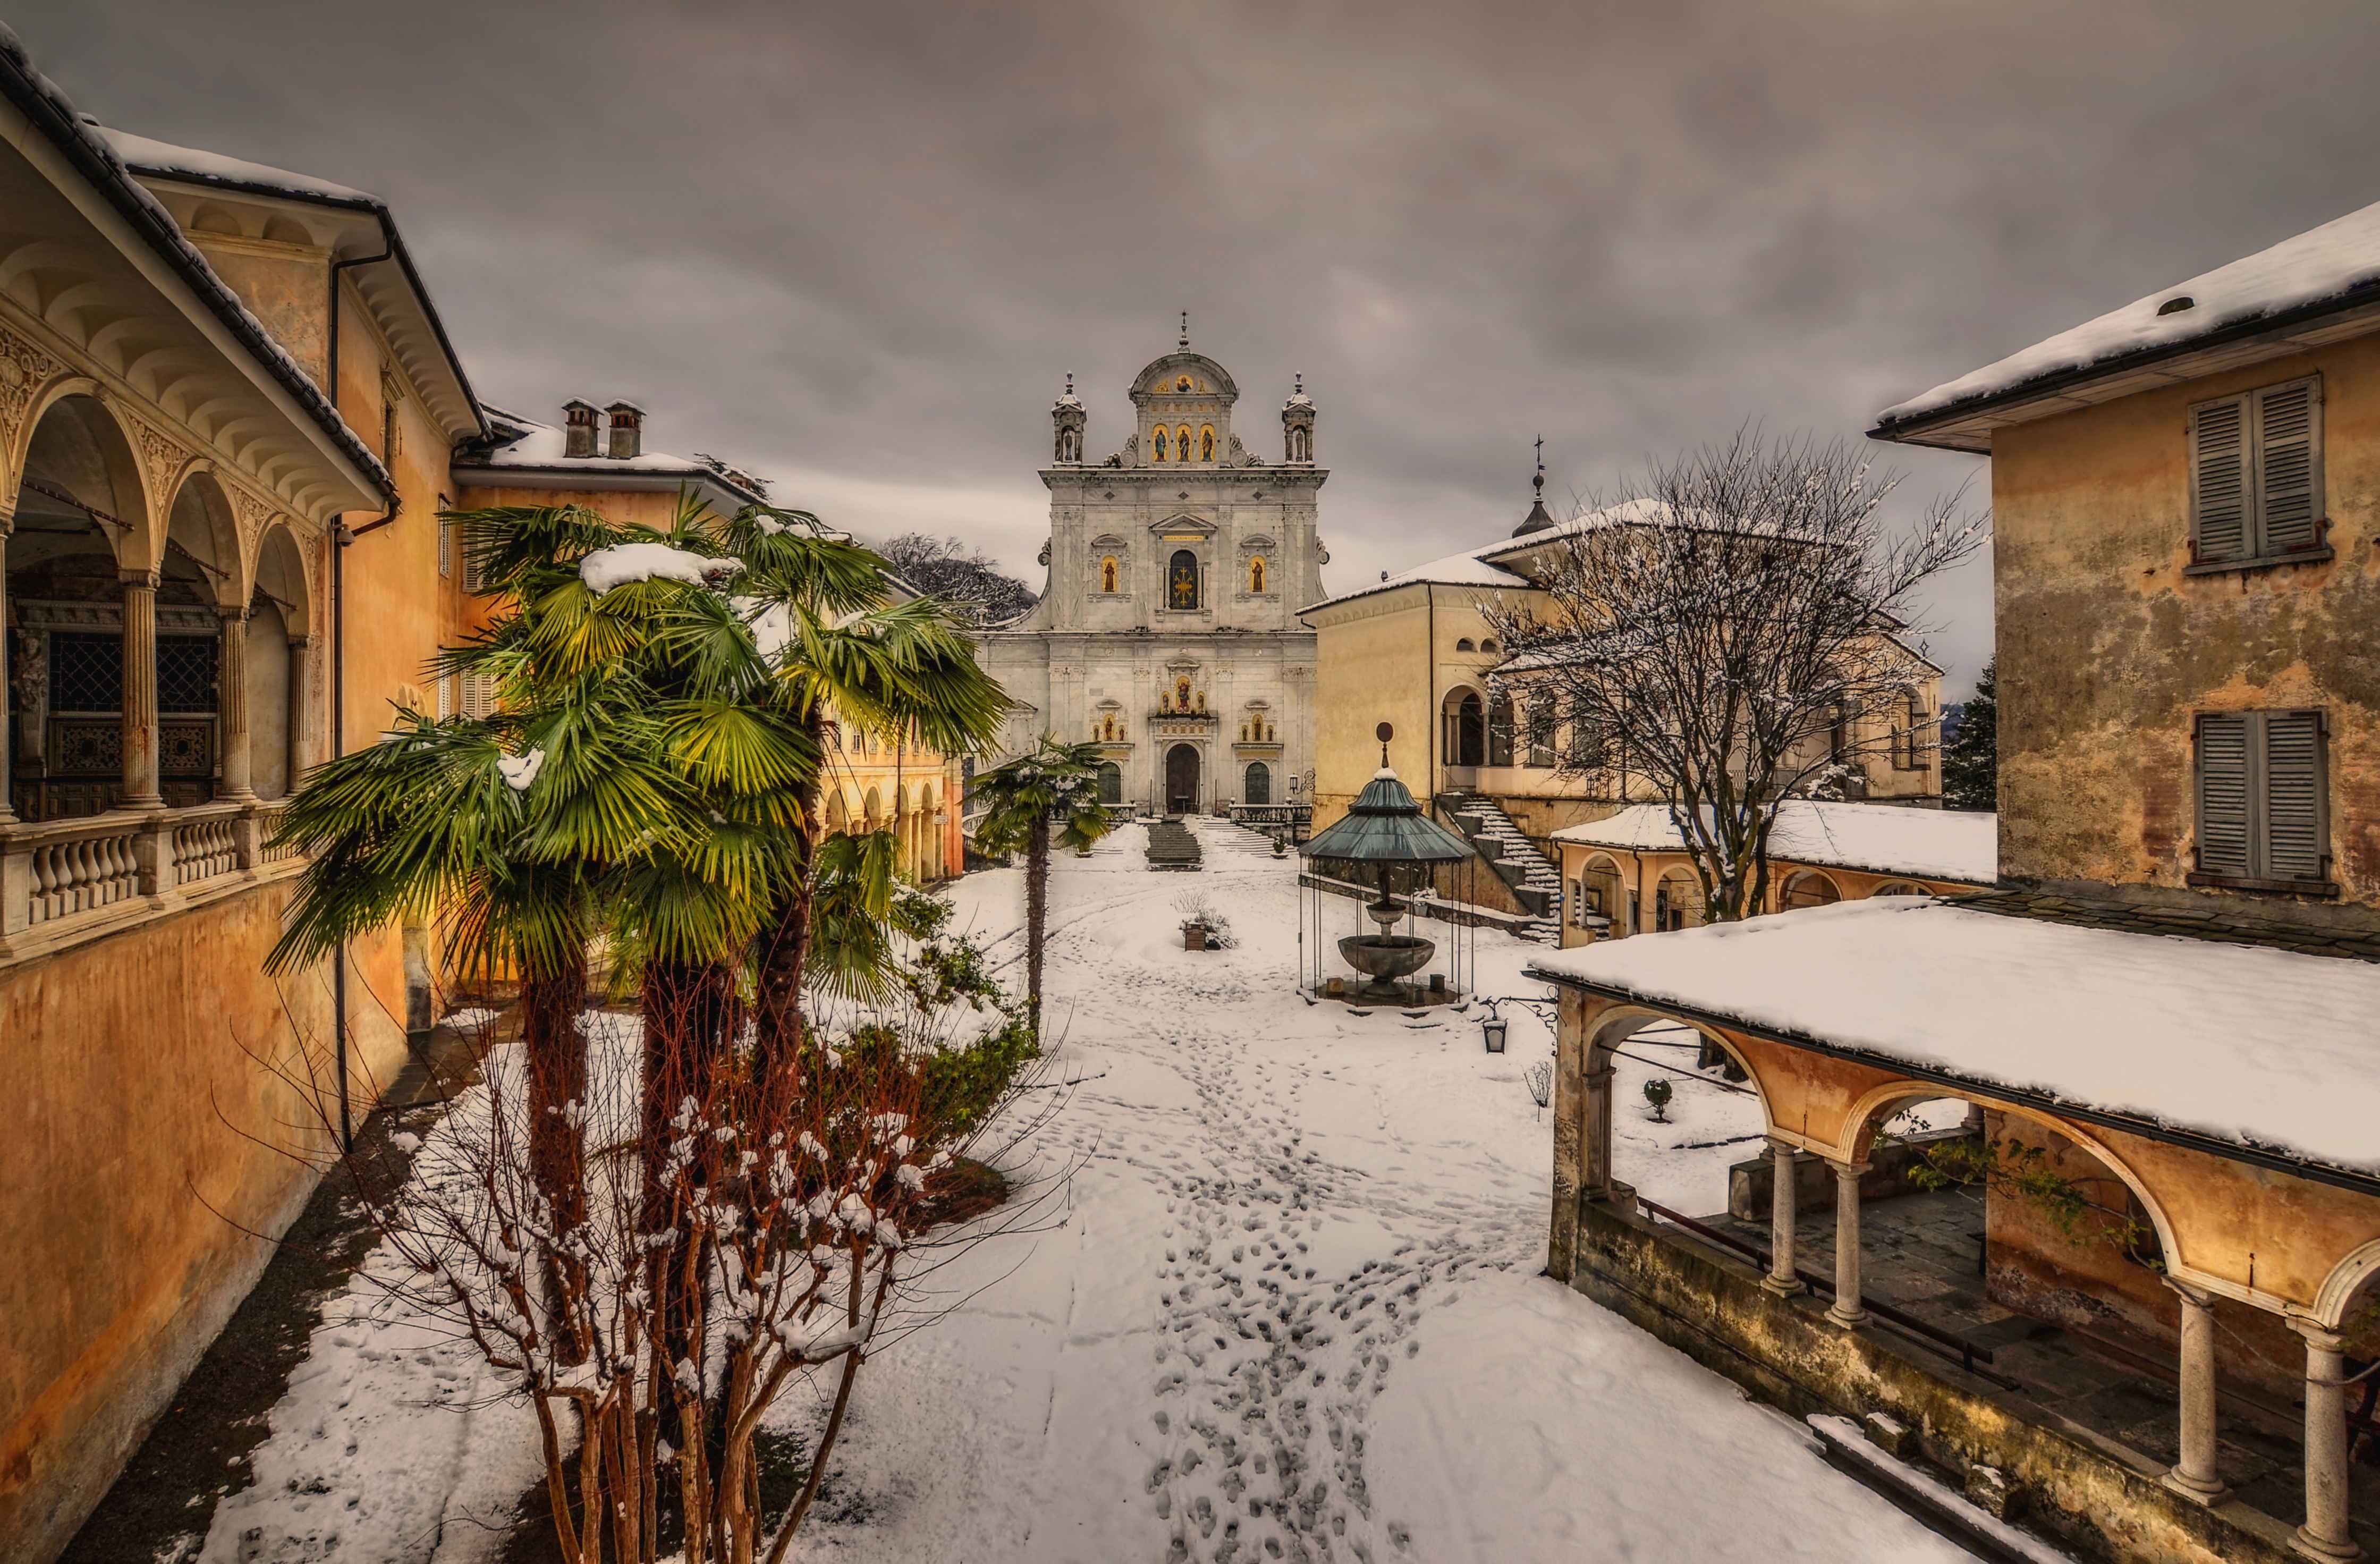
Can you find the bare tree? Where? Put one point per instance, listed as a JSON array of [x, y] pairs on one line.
[[1737, 633], [969, 578]]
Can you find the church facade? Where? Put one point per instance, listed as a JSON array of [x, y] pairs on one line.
[[1168, 629]]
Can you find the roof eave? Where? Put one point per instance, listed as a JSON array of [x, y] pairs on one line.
[[488, 474], [1967, 426]]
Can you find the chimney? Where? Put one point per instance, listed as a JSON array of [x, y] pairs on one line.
[[579, 428], [627, 430]]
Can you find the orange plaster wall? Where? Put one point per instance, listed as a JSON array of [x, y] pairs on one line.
[[2107, 650], [129, 1176]]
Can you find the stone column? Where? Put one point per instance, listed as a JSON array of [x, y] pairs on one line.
[[1780, 1278], [1846, 1311], [1594, 1133], [231, 705], [141, 692], [300, 719], [8, 661], [2197, 1474], [2325, 1536]]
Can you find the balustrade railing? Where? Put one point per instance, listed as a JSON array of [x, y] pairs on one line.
[[1296, 819], [56, 873], [81, 871]]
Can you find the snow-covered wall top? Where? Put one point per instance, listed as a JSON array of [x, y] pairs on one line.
[[1928, 844], [2259, 1047], [2319, 264]]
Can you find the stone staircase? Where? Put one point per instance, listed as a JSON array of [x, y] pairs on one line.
[[1534, 881]]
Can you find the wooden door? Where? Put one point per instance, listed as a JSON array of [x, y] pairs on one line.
[[1182, 780]]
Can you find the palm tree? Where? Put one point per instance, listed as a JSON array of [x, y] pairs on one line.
[[839, 644], [1053, 781]]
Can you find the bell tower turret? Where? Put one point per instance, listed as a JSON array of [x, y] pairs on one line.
[[1297, 426], [1067, 417]]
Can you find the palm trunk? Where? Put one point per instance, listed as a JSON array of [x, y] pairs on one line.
[[1037, 915], [556, 1052], [785, 950]]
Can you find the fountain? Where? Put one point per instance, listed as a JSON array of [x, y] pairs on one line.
[[1384, 828]]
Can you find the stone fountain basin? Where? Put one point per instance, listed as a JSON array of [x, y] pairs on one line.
[[1386, 955]]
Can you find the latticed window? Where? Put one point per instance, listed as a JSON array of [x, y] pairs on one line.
[[86, 672], [186, 673]]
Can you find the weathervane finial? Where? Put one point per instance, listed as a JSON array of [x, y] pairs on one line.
[[1538, 482], [1185, 327], [1069, 382]]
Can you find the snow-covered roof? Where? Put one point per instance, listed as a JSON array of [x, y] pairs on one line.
[[163, 158], [1481, 566], [2257, 1046], [1880, 838], [530, 455], [2318, 271]]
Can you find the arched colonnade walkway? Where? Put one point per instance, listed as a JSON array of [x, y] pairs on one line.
[[2242, 1249]]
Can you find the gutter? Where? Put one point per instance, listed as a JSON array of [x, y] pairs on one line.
[[53, 115], [1902, 430], [1965, 1085]]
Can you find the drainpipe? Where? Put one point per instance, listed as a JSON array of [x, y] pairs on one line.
[[1429, 679], [341, 538]]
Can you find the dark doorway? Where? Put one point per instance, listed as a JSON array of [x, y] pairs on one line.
[[1111, 783], [1259, 788], [1182, 780]]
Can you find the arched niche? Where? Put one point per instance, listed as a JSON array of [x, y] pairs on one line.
[[1604, 892], [1808, 888], [1465, 716]]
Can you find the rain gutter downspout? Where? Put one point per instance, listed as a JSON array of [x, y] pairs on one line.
[[1432, 723], [342, 537]]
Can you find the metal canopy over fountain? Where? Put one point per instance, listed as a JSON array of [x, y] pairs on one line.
[[1384, 827]]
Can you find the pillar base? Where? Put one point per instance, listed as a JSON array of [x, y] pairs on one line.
[[1850, 1319], [2209, 1496], [2333, 1553], [1784, 1289]]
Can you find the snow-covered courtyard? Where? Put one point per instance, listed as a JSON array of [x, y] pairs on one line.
[[1281, 1301]]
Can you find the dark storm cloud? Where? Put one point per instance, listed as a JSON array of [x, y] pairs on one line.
[[857, 246]]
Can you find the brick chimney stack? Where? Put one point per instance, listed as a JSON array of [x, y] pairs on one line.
[[579, 428], [627, 430]]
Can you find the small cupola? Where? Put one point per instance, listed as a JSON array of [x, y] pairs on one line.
[[578, 420], [1537, 520], [627, 431]]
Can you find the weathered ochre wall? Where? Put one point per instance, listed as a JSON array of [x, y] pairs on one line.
[[2107, 650], [138, 1067], [284, 283]]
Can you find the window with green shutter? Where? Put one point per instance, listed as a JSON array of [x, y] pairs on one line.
[[2261, 796], [2255, 477]]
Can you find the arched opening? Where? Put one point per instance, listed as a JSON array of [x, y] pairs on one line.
[[1255, 786], [1182, 780], [930, 835], [1900, 888], [1677, 1145], [872, 812], [1465, 645], [1464, 742], [838, 814], [1807, 887], [1499, 731], [280, 623], [81, 523], [1488, 647], [1111, 783], [1602, 899], [1181, 580], [1677, 902]]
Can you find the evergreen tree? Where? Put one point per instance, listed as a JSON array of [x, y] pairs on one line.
[[1971, 761]]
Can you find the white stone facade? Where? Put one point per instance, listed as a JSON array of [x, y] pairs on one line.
[[1167, 628]]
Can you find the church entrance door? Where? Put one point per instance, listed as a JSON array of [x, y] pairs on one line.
[[1182, 780]]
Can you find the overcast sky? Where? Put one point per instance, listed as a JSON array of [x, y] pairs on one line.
[[856, 247]]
